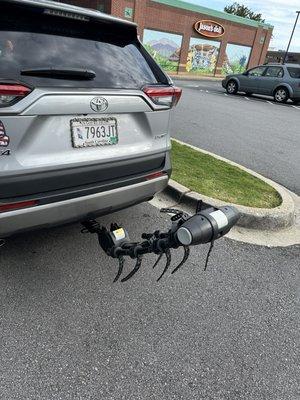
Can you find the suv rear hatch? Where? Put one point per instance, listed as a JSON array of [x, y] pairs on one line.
[[81, 101]]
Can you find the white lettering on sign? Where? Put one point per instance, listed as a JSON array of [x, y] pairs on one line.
[[209, 28]]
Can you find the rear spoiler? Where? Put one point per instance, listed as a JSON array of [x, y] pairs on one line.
[[69, 11]]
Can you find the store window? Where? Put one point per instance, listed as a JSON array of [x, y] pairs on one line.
[[164, 47], [202, 56], [236, 59]]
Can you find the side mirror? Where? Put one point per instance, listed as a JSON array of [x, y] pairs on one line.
[[245, 73]]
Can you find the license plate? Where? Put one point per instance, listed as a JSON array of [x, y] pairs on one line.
[[91, 132]]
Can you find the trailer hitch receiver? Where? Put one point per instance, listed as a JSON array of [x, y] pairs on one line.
[[205, 226]]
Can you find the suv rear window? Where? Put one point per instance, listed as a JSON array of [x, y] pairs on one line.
[[294, 72], [31, 39]]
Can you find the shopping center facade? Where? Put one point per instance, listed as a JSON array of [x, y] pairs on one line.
[[188, 39]]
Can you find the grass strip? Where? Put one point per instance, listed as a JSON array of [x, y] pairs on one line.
[[211, 177]]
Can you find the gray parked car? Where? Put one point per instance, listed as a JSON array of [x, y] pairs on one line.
[[84, 116], [277, 80]]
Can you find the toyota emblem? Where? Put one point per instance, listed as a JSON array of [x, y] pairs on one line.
[[99, 104]]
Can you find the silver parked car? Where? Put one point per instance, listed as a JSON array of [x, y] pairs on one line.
[[84, 116], [282, 81]]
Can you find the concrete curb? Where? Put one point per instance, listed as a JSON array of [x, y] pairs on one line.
[[276, 218]]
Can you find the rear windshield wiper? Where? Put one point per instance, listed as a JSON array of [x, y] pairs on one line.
[[60, 73]]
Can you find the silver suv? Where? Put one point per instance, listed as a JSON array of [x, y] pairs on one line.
[[277, 80], [84, 116]]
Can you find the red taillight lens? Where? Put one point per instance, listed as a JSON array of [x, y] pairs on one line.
[[155, 175], [10, 93], [164, 96], [16, 206]]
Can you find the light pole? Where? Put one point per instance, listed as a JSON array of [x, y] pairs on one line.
[[287, 50]]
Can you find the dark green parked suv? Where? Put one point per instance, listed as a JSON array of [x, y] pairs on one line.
[[282, 81]]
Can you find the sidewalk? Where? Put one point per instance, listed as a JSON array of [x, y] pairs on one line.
[[190, 77]]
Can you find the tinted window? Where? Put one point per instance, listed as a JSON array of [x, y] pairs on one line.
[[294, 72], [274, 72], [257, 71], [45, 41]]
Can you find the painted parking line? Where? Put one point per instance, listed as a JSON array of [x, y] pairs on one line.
[[253, 99]]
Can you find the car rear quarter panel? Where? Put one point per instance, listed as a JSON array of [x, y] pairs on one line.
[[295, 84], [285, 85]]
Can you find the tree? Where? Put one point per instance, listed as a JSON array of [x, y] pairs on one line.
[[243, 11]]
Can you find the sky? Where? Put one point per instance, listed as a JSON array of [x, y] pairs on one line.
[[279, 13]]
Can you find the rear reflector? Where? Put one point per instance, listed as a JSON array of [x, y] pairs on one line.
[[16, 206], [164, 96], [10, 93], [155, 175]]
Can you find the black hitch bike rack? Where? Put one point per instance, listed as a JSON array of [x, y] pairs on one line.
[[205, 226]]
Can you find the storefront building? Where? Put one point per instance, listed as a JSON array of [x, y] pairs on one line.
[[278, 56], [188, 39]]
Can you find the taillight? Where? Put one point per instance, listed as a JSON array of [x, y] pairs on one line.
[[155, 175], [163, 96], [11, 93], [17, 206]]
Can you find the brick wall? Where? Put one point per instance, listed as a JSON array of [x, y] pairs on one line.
[[96, 4], [118, 8], [150, 15]]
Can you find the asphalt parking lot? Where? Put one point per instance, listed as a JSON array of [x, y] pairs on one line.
[[68, 332], [253, 131]]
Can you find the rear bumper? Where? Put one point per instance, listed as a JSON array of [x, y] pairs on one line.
[[79, 208], [32, 183]]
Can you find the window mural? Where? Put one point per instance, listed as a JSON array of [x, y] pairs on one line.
[[164, 48], [236, 59], [202, 56]]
